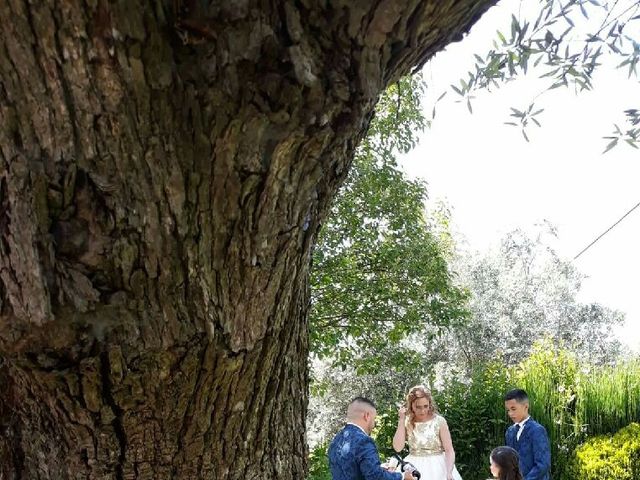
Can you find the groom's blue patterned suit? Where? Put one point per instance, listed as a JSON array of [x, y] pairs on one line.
[[353, 456]]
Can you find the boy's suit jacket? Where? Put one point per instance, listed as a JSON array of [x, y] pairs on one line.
[[533, 448]]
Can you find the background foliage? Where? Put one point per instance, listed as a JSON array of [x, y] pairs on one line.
[[524, 291], [395, 302], [564, 42], [574, 403], [380, 269]]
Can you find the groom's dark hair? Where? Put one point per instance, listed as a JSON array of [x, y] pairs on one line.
[[363, 400], [518, 395]]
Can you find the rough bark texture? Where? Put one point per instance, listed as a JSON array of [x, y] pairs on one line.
[[164, 168]]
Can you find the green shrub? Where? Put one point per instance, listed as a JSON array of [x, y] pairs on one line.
[[319, 463], [551, 376], [609, 457], [386, 424], [475, 413]]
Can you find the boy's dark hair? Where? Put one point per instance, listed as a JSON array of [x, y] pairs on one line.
[[518, 395], [363, 400]]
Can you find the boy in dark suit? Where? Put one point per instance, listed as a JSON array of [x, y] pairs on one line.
[[527, 437], [353, 454]]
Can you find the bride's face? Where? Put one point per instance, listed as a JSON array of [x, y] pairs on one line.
[[420, 408]]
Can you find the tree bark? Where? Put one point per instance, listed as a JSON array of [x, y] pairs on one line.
[[164, 169]]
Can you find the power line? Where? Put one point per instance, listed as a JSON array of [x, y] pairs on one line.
[[607, 230]]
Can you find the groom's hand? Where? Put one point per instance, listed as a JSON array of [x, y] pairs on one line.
[[407, 476]]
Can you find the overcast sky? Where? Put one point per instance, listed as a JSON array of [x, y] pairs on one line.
[[495, 181]]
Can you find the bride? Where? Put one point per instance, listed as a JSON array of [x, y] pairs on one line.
[[430, 447]]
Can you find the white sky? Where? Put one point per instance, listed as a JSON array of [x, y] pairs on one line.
[[495, 181]]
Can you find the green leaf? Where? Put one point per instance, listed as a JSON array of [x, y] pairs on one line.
[[515, 27], [611, 144], [550, 73], [501, 37], [584, 11], [569, 21]]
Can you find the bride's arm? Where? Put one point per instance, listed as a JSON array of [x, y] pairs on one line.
[[449, 453], [401, 435]]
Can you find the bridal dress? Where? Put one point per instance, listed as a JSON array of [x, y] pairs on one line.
[[425, 450]]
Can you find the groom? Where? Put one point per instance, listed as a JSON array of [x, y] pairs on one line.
[[353, 454], [528, 437]]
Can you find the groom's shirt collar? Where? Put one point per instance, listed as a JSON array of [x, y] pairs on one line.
[[355, 425]]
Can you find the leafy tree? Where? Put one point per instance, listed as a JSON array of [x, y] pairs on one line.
[[164, 170], [381, 288], [474, 408], [564, 41], [380, 268], [525, 291]]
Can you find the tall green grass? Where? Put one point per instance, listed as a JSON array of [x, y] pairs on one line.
[[573, 401], [551, 377], [609, 398], [576, 402]]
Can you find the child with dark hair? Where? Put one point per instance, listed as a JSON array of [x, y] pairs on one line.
[[504, 464]]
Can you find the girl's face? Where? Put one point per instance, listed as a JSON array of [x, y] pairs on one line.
[[495, 469]]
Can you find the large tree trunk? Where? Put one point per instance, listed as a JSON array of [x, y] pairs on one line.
[[164, 169]]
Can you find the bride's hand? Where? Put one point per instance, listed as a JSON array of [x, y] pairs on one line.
[[402, 412]]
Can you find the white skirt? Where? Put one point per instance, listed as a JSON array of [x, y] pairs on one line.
[[432, 467]]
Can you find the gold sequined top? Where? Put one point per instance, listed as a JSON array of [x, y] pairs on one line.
[[424, 437]]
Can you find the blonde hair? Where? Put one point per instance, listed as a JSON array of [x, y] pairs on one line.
[[419, 391]]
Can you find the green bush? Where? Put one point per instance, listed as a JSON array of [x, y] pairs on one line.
[[603, 457], [551, 376], [474, 410], [386, 424], [319, 463]]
